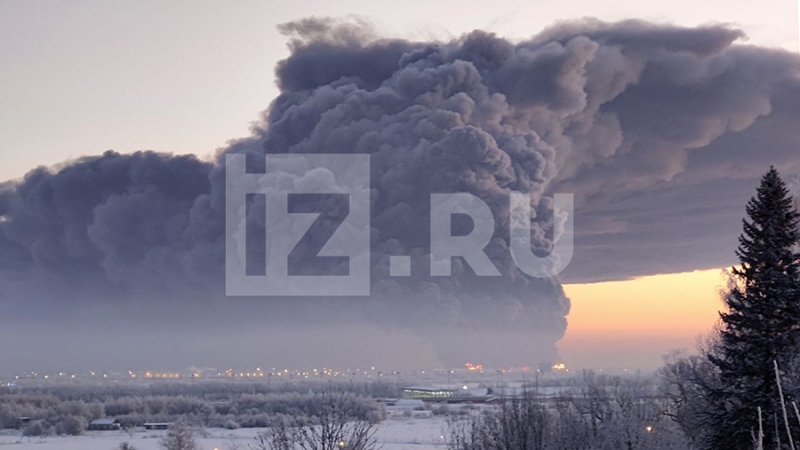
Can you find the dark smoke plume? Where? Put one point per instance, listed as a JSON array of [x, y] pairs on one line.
[[659, 131]]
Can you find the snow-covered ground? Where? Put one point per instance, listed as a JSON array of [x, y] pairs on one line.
[[396, 433]]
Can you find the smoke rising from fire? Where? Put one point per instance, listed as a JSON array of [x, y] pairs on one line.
[[642, 122]]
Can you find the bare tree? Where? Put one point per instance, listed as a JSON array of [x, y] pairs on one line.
[[604, 413], [686, 382], [520, 423], [278, 437], [340, 425], [180, 436]]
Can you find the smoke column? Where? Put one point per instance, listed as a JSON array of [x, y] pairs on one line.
[[600, 110]]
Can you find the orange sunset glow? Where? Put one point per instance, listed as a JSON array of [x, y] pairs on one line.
[[646, 317]]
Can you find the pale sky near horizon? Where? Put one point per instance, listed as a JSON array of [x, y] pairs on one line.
[[78, 78], [643, 318]]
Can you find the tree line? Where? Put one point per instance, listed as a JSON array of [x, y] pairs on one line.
[[48, 415]]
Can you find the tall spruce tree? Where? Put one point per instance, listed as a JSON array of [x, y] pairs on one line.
[[761, 324]]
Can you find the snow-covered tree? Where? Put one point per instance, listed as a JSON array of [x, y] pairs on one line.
[[761, 323], [339, 426], [179, 437]]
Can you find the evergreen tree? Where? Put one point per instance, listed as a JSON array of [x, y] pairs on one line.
[[761, 324]]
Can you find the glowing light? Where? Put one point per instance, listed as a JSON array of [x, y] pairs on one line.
[[473, 367]]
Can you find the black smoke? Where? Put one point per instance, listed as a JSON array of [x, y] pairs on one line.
[[660, 131]]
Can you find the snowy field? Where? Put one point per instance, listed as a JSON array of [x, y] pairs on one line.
[[393, 434]]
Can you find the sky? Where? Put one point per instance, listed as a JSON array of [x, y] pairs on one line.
[[651, 316], [162, 76], [78, 79]]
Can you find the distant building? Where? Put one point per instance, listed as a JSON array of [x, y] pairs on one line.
[[104, 424], [472, 392], [427, 392], [20, 422], [157, 425]]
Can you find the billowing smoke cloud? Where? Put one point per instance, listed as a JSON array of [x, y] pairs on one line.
[[660, 131]]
